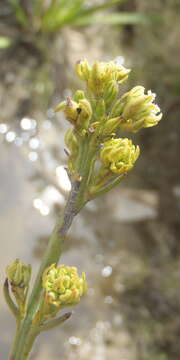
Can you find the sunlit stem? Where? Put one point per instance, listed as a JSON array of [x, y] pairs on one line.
[[9, 301], [28, 331]]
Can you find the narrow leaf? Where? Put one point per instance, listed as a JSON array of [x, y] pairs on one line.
[[9, 301], [113, 19]]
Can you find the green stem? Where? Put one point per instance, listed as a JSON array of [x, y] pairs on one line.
[[26, 336], [28, 331]]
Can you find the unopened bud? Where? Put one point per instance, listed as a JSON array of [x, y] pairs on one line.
[[110, 92], [85, 113], [111, 125], [100, 77], [70, 109], [117, 108], [79, 95], [83, 70], [18, 273]]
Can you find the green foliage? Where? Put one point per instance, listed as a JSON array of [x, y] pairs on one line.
[[112, 19], [21, 16], [41, 16]]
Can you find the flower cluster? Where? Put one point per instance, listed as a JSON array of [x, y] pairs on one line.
[[119, 155], [97, 116], [102, 78], [63, 286], [136, 110]]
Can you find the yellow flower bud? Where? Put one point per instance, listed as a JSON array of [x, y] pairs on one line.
[[119, 155], [110, 92], [111, 125], [102, 78], [86, 110], [18, 273], [95, 80], [137, 110], [117, 108], [117, 71], [78, 113], [63, 286], [70, 109], [79, 95], [83, 69]]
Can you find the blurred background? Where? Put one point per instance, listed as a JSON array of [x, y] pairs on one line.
[[127, 241]]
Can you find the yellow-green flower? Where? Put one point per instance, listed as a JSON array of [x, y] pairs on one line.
[[137, 110], [63, 286], [102, 78], [119, 155], [18, 273], [70, 109]]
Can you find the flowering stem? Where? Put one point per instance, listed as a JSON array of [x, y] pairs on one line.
[[27, 331], [90, 143]]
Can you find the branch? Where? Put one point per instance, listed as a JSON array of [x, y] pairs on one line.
[[108, 187], [55, 322], [9, 301]]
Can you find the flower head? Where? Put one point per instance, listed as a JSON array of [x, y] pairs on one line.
[[18, 273], [63, 286], [119, 155], [137, 110], [102, 77]]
